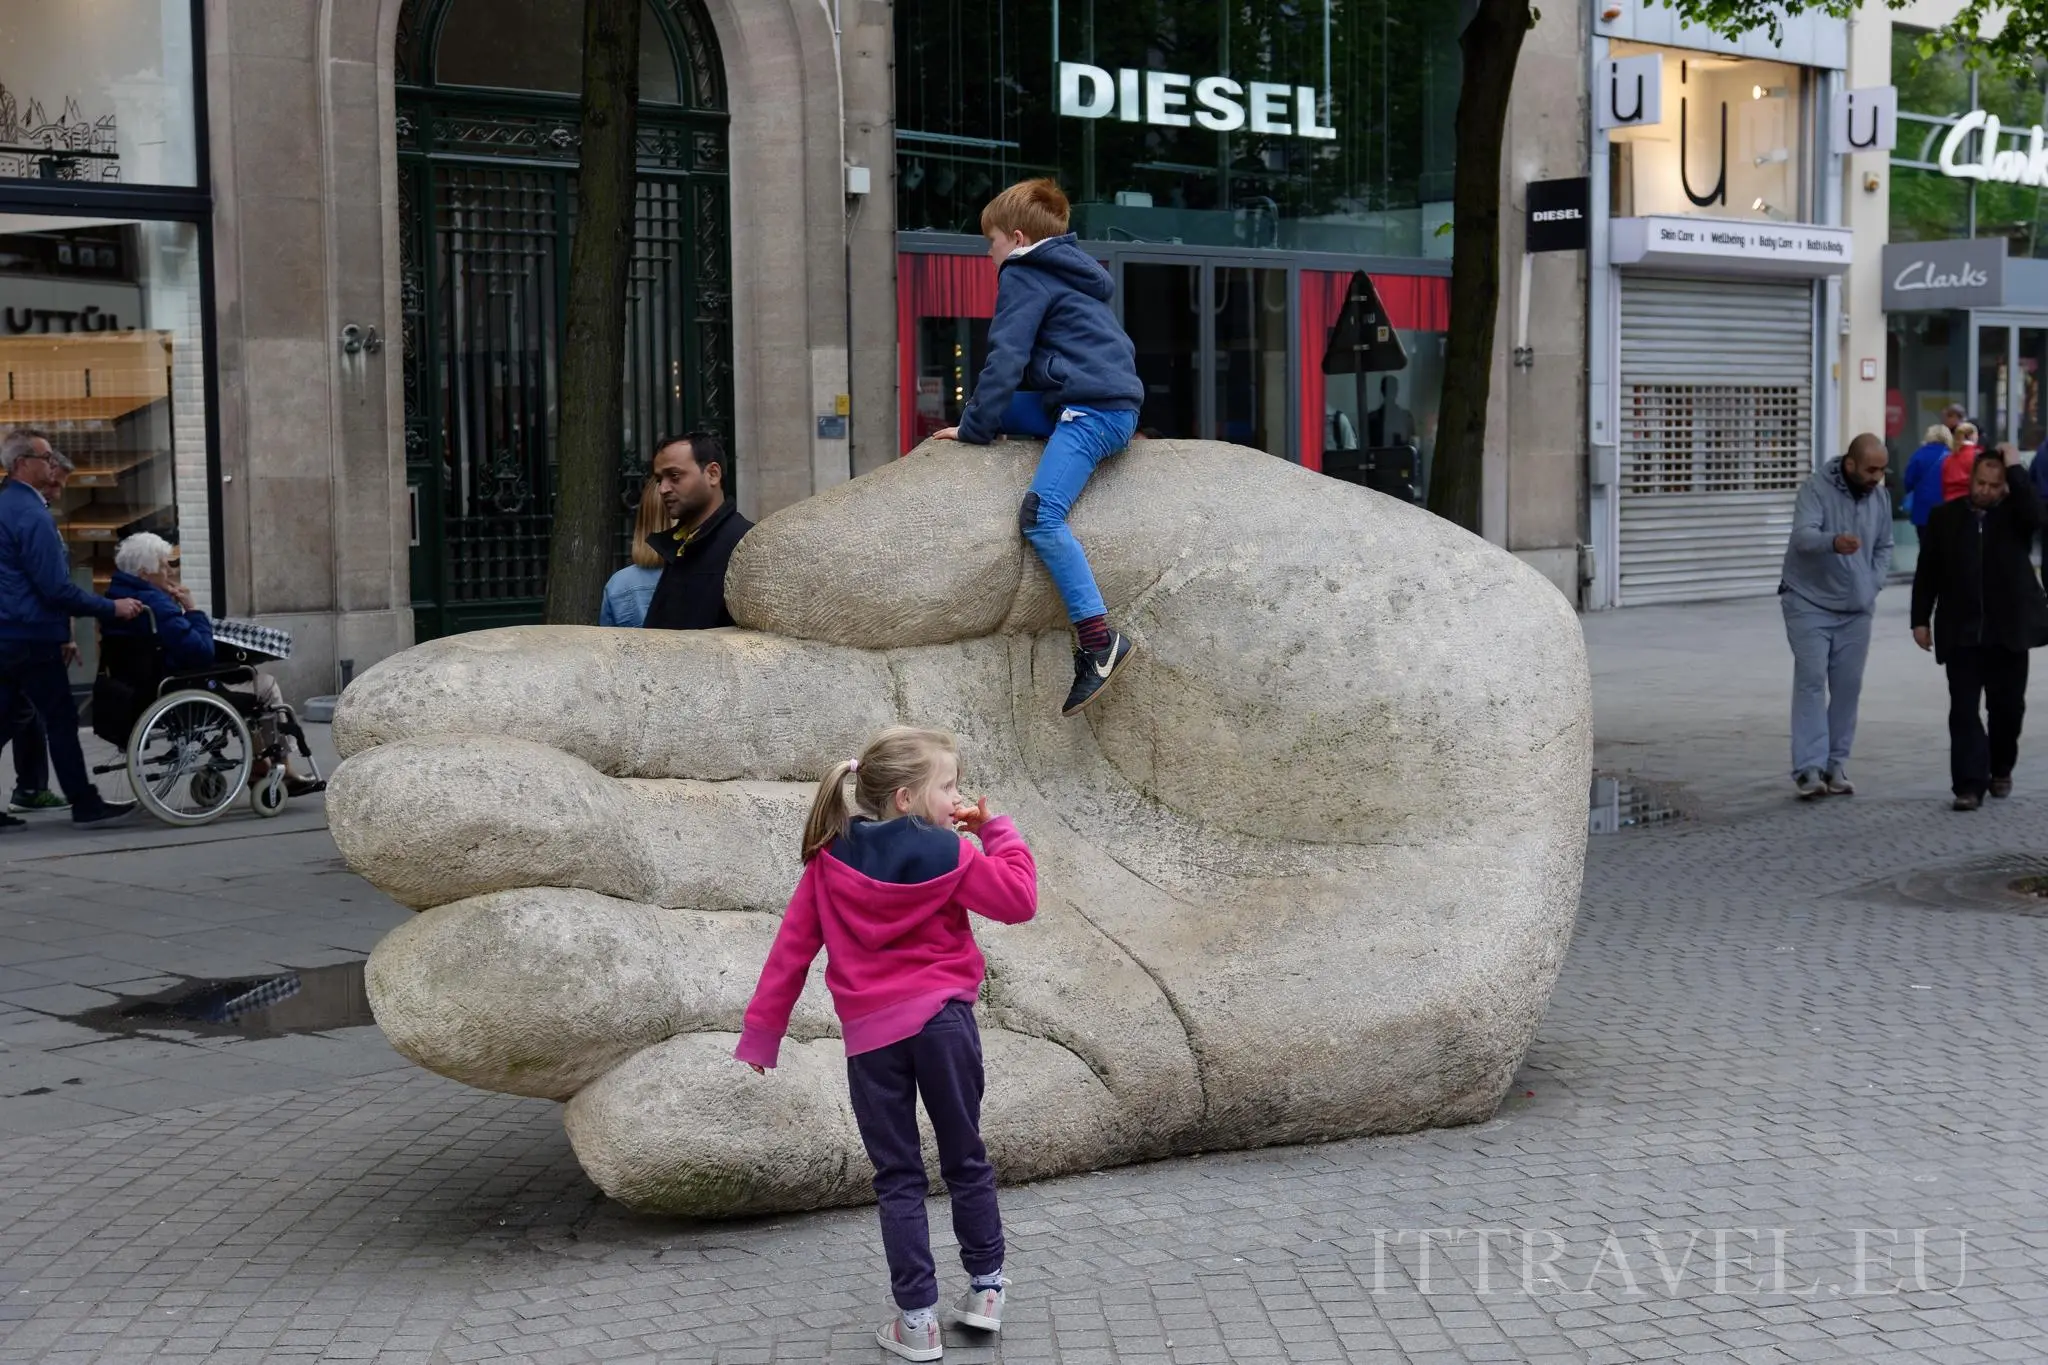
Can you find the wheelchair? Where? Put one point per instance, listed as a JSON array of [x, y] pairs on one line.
[[189, 740]]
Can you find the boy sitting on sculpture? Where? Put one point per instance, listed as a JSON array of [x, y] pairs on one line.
[[1062, 369]]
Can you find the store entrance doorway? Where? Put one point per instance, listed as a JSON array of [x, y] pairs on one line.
[[1212, 347], [2008, 362]]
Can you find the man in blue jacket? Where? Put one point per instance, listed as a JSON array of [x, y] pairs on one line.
[[37, 601], [1835, 564]]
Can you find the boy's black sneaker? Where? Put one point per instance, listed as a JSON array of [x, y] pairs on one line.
[[8, 822], [106, 813], [1092, 671]]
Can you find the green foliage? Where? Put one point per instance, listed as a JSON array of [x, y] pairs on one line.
[[1927, 206], [1936, 85], [1975, 36]]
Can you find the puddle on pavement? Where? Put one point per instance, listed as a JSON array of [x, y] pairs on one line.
[[1618, 803], [313, 1000], [2010, 883]]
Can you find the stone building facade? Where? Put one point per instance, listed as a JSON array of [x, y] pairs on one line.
[[326, 240]]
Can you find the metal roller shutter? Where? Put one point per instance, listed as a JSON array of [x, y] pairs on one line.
[[1716, 433]]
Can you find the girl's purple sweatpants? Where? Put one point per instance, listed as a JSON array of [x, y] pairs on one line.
[[942, 1062]]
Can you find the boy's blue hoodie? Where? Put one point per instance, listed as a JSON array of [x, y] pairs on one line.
[[1053, 333]]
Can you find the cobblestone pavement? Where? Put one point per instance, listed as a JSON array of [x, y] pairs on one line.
[[1785, 1107]]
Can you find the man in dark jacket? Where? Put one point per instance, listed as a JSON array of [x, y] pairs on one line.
[[37, 601], [1978, 605], [690, 472], [2039, 473]]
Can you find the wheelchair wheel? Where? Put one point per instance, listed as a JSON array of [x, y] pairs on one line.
[[209, 788], [188, 757], [267, 793]]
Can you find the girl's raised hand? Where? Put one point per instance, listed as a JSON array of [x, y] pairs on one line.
[[970, 819]]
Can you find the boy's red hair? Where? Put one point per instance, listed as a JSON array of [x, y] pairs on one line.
[[1036, 208]]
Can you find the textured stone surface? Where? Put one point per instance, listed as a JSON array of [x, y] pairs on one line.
[[1308, 870]]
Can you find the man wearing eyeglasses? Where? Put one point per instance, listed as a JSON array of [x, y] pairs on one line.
[[37, 601]]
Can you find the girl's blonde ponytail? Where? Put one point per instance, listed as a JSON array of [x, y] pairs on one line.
[[829, 815], [901, 758]]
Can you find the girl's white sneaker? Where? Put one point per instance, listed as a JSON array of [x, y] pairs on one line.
[[912, 1343], [981, 1309]]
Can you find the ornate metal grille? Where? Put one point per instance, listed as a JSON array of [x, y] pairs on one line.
[[487, 195], [498, 253]]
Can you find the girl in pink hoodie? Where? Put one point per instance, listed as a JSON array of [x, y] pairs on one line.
[[885, 891]]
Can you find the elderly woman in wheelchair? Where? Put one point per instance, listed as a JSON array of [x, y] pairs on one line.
[[198, 723]]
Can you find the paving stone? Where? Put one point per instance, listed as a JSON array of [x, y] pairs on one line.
[[1735, 1046]]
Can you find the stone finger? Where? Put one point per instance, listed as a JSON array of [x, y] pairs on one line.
[[448, 817], [539, 992]]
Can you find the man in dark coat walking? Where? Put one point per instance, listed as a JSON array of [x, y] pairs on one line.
[[1978, 605], [690, 472]]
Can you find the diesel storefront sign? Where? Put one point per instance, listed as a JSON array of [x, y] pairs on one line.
[[1294, 125], [1169, 100], [1922, 277]]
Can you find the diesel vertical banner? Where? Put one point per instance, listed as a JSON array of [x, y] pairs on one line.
[[1560, 214]]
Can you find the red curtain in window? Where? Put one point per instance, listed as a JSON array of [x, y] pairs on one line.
[[1414, 303], [934, 287]]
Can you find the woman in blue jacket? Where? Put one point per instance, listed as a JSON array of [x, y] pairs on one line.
[[1922, 479], [629, 591], [142, 570]]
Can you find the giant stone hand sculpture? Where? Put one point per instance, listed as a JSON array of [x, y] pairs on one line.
[[1308, 870]]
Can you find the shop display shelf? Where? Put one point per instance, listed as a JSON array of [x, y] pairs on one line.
[[25, 412], [106, 521], [104, 468]]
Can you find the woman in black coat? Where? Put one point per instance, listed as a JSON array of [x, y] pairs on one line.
[[1978, 605]]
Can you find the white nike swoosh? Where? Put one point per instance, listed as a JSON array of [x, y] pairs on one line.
[[1102, 670]]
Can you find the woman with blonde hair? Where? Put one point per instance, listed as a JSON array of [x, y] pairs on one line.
[[1922, 479], [629, 591]]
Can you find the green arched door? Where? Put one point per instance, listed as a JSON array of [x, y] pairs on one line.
[[487, 149]]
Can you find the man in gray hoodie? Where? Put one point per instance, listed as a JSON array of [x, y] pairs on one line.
[[1840, 552]]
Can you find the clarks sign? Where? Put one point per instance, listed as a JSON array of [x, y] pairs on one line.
[[2006, 165], [1170, 100], [1922, 277]]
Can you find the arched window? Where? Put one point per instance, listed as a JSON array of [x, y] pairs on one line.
[[538, 45]]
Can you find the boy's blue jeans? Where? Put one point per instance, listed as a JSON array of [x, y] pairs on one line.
[[1076, 440]]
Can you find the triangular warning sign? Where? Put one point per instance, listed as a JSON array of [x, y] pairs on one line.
[[1362, 341]]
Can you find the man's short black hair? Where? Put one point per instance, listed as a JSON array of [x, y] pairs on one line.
[[705, 448], [1985, 457]]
